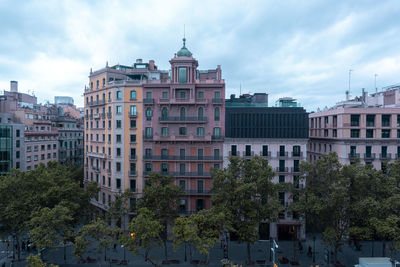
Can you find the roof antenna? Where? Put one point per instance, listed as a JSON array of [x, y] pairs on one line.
[[240, 90]]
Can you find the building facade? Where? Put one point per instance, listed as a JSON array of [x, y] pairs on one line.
[[139, 119], [278, 134], [365, 128]]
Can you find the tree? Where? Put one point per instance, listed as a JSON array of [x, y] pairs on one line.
[[324, 201], [200, 230], [36, 261], [161, 195], [99, 232], [145, 232], [247, 195], [49, 227]]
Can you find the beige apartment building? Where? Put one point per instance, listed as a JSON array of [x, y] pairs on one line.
[[365, 128]]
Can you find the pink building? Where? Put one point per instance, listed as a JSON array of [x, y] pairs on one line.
[[365, 128], [184, 128]]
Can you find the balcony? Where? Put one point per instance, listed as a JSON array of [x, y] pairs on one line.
[[295, 169], [132, 115], [132, 157], [235, 154], [132, 173], [109, 115], [282, 154], [182, 119], [108, 170], [96, 103], [282, 169], [96, 155], [96, 168], [268, 154], [217, 137], [180, 174], [133, 190], [385, 156], [369, 156], [297, 154], [183, 158], [247, 155], [354, 155], [217, 100], [198, 192], [148, 137], [148, 101]]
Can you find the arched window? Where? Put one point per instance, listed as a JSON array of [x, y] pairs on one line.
[[200, 114], [182, 114], [164, 113], [216, 114]]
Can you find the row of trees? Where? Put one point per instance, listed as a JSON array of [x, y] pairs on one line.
[[350, 202]]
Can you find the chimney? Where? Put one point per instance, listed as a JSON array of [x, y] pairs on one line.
[[151, 64], [347, 95], [232, 96], [14, 86], [139, 60]]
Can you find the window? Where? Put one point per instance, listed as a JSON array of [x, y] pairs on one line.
[[149, 114], [386, 120], [118, 152], [354, 133], [35, 157], [133, 153], [384, 152], [182, 130], [369, 133], [149, 95], [200, 153], [97, 84], [217, 132], [200, 131], [398, 120], [216, 114], [132, 167], [353, 151], [200, 186], [296, 164], [133, 94], [182, 94], [28, 159], [133, 138], [133, 185], [355, 120], [281, 165], [281, 151], [281, 178], [17, 133], [368, 150], [42, 147], [148, 167], [118, 183], [28, 149], [132, 124], [119, 110], [200, 168], [119, 95], [17, 143], [118, 123], [132, 111], [118, 138], [17, 154], [234, 150], [201, 95], [200, 113], [182, 75], [370, 120], [149, 132], [164, 131], [182, 113], [118, 166], [296, 151], [248, 150], [265, 150], [182, 183], [216, 154], [109, 96], [182, 153], [164, 168], [398, 133], [165, 95], [334, 133], [385, 133]]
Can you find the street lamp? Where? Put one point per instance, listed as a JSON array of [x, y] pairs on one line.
[[274, 246]]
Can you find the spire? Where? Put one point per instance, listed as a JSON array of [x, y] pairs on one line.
[[184, 52]]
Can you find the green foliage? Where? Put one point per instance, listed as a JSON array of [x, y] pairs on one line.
[[146, 229], [36, 261], [119, 208], [247, 196]]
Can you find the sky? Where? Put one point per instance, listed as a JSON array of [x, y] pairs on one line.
[[299, 49]]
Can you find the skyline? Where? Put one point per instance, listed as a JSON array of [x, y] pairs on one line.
[[261, 46]]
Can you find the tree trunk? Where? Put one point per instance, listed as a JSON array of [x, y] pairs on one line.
[[248, 252], [336, 251], [165, 249], [383, 248], [190, 252]]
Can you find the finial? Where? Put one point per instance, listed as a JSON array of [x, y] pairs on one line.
[[184, 38], [184, 41], [107, 64], [91, 71]]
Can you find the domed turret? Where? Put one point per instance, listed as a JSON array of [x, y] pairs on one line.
[[184, 52]]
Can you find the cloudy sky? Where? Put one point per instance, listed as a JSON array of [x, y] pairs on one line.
[[279, 47]]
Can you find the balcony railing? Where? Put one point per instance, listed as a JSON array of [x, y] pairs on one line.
[[236, 154], [282, 169], [282, 154], [132, 115], [183, 119], [385, 156], [185, 174], [96, 155], [217, 100], [268, 154], [198, 192], [190, 158], [217, 137], [109, 115], [369, 155], [132, 157], [132, 173], [297, 154], [148, 100], [354, 155], [251, 154], [295, 169], [97, 102]]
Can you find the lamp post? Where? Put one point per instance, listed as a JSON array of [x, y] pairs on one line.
[[313, 258], [274, 246]]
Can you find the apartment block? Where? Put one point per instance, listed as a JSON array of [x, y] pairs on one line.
[[278, 134], [366, 128]]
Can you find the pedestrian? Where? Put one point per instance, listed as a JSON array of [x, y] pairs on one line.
[[23, 245], [300, 247], [309, 252]]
